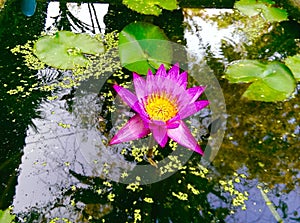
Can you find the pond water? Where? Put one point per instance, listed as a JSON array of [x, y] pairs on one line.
[[56, 165]]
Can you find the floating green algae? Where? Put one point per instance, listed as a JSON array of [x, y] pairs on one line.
[[99, 65]]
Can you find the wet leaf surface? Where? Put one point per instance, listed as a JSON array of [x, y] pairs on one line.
[[294, 64], [151, 7], [270, 82], [143, 46], [66, 50], [265, 7]]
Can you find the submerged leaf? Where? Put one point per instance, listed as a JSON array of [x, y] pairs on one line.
[[65, 50], [271, 82], [143, 46]]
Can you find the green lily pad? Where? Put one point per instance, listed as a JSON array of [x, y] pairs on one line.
[[150, 7], [272, 14], [143, 46], [294, 64], [6, 216], [260, 91], [244, 71], [265, 7], [65, 50], [270, 82]]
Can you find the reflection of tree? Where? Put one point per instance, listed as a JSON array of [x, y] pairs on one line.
[[182, 197], [66, 20], [16, 111], [119, 16], [262, 136]]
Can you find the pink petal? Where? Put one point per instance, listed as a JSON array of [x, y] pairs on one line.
[[139, 86], [128, 97], [150, 83], [195, 92], [192, 108], [174, 72], [183, 136], [161, 71], [173, 125], [159, 131], [133, 129], [182, 80], [173, 122]]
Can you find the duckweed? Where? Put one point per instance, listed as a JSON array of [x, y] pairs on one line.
[[57, 220], [148, 200], [99, 66], [180, 195], [111, 197], [238, 197], [137, 215]]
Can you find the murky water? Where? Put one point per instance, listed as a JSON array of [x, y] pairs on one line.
[[55, 162]]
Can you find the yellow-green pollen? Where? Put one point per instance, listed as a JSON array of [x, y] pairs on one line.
[[161, 107]]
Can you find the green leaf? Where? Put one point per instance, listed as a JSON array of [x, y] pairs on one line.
[[265, 7], [65, 50], [270, 82], [244, 71], [150, 7], [6, 216], [248, 7], [274, 14], [294, 64], [143, 46], [279, 77], [168, 4], [260, 91]]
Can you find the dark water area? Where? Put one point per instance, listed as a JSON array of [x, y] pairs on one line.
[[55, 165]]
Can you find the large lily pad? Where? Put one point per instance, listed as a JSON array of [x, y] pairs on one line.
[[294, 64], [150, 7], [265, 7], [143, 46], [66, 50], [270, 82]]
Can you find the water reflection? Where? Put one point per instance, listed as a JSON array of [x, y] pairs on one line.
[[259, 159]]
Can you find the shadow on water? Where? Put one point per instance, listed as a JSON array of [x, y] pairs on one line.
[[258, 160]]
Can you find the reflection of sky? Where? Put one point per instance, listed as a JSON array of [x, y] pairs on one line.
[[258, 209], [86, 13], [51, 152], [203, 32]]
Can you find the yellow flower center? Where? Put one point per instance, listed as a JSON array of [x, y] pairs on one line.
[[160, 107]]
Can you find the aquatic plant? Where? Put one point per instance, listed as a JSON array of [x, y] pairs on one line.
[[161, 102], [98, 65], [6, 216], [144, 46], [266, 8], [293, 63], [271, 81], [150, 7], [67, 50]]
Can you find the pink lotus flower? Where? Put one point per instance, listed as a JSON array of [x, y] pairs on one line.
[[161, 102]]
